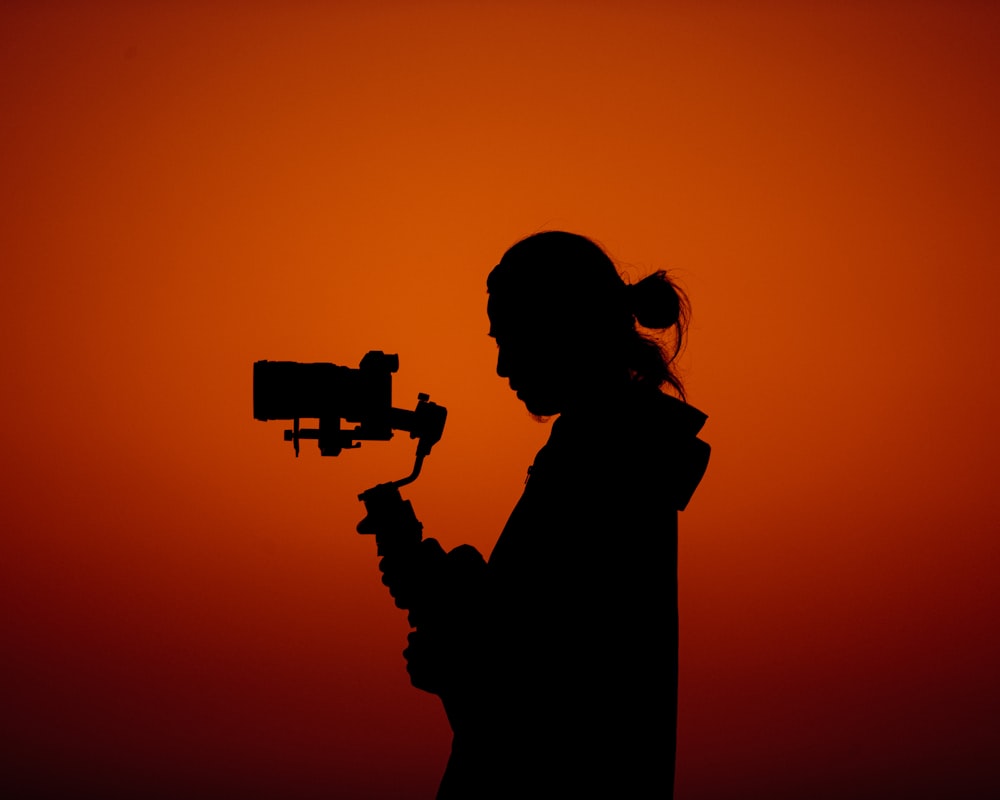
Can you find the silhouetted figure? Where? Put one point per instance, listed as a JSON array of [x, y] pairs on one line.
[[556, 660]]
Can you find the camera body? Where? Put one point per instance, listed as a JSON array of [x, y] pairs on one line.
[[329, 393]]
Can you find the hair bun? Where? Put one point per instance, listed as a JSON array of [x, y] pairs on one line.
[[654, 301]]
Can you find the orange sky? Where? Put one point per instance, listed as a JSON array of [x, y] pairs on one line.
[[187, 189]]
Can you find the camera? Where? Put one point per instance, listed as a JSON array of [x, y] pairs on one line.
[[330, 393]]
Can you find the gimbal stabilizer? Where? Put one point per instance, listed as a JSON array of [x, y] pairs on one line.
[[415, 570], [288, 390]]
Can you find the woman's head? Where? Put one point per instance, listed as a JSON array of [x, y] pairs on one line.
[[565, 322]]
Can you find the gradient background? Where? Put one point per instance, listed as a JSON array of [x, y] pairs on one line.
[[189, 187]]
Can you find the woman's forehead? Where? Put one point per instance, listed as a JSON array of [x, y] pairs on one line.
[[514, 323], [503, 318], [509, 308]]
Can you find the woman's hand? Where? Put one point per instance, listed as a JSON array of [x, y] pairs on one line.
[[412, 575], [427, 661]]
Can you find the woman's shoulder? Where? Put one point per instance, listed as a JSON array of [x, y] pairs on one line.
[[635, 417], [642, 436]]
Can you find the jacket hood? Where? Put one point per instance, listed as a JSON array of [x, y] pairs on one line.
[[675, 439], [652, 430]]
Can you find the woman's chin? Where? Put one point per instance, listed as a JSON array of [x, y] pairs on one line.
[[539, 407]]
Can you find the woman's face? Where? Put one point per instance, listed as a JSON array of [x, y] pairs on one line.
[[532, 355]]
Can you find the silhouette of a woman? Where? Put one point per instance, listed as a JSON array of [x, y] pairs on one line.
[[556, 660]]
